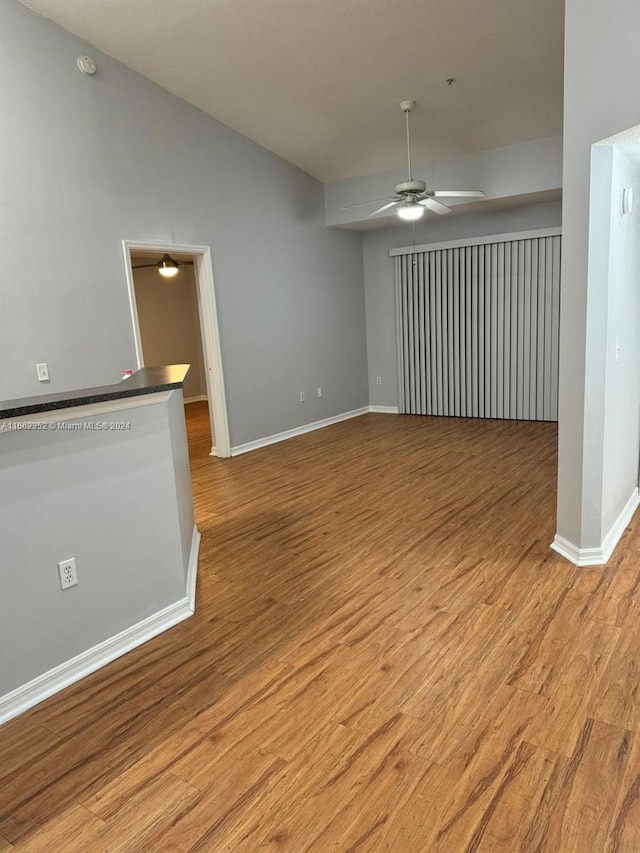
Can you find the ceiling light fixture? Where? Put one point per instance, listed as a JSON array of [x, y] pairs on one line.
[[410, 211], [167, 266]]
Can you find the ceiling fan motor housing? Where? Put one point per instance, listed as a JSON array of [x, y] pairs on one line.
[[410, 187]]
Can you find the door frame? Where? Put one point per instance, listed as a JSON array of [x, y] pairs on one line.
[[209, 329]]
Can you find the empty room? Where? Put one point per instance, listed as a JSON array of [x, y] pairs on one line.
[[320, 426]]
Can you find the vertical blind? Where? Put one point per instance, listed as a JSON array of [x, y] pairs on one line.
[[478, 329]]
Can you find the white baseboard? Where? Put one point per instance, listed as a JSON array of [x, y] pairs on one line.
[[213, 452], [384, 410], [599, 556], [291, 433], [199, 399], [45, 685]]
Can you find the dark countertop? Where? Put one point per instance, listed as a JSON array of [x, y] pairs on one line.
[[148, 380]]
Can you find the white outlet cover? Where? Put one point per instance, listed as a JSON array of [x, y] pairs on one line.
[[67, 573]]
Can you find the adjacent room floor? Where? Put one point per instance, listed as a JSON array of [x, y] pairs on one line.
[[386, 656]]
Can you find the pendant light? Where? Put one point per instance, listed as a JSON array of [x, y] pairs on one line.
[[167, 267]]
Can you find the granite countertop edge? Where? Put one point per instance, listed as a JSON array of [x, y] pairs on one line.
[[147, 380]]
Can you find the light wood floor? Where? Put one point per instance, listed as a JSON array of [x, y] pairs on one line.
[[386, 656]]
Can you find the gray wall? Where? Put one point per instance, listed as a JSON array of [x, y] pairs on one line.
[[87, 162], [170, 323], [119, 501], [602, 97], [379, 282]]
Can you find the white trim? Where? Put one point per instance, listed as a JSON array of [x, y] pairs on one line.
[[192, 571], [84, 664], [599, 556], [209, 327], [133, 307], [200, 398], [477, 241], [385, 410], [90, 410], [213, 354], [40, 688], [291, 433], [620, 524], [213, 452], [575, 555]]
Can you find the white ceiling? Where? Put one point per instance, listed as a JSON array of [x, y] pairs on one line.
[[318, 81]]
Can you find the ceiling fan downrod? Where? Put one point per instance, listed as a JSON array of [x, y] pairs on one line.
[[406, 107]]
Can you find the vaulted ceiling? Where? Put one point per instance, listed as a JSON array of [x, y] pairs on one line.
[[318, 81]]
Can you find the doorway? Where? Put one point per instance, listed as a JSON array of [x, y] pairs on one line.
[[194, 271]]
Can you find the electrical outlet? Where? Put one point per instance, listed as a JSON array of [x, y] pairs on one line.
[[378, 380], [319, 392], [68, 573], [302, 397], [43, 372]]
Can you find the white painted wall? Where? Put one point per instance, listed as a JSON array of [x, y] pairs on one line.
[[602, 97], [170, 323], [621, 410], [119, 501], [89, 161], [515, 170], [379, 281]]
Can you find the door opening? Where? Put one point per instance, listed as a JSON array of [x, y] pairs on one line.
[[196, 261]]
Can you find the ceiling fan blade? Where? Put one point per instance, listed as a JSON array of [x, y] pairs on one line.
[[458, 194], [435, 206], [371, 201], [385, 207]]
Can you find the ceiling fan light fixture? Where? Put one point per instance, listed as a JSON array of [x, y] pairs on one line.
[[412, 196], [410, 211], [167, 267]]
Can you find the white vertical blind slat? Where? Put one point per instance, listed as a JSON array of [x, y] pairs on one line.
[[468, 333], [493, 333], [405, 327], [500, 344], [475, 331], [439, 337], [481, 334], [542, 269], [513, 343], [433, 342], [555, 337]]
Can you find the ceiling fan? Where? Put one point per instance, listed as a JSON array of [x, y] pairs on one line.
[[166, 266], [412, 196]]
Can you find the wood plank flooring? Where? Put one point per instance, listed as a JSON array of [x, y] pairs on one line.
[[386, 656]]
